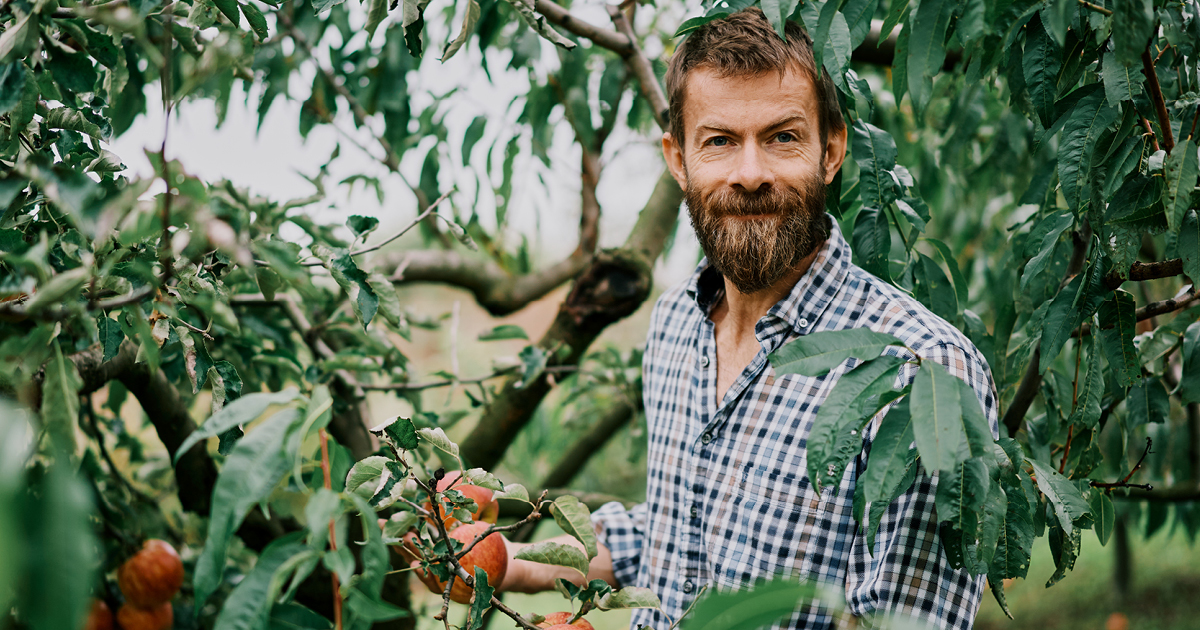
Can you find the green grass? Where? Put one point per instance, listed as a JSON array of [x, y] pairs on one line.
[[1166, 578]]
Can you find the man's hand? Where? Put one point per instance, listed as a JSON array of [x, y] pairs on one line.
[[524, 576]]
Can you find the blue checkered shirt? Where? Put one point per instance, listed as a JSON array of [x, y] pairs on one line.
[[728, 499]]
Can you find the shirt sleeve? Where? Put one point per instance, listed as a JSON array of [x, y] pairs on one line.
[[907, 574], [622, 531]]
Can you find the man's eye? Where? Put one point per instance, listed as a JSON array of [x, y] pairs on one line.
[[719, 141], [784, 137]]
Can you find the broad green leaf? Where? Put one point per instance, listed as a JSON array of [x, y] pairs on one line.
[[437, 438], [1134, 199], [1062, 317], [1121, 82], [377, 11], [1134, 24], [933, 289], [248, 607], [18, 39], [60, 400], [482, 600], [1146, 402], [240, 412], [367, 476], [250, 473], [1180, 172], [230, 9], [575, 519], [1043, 239], [255, 18], [1117, 321], [483, 479], [67, 118], [1106, 516], [367, 610], [948, 424], [62, 287], [875, 153], [514, 491], [360, 226], [400, 432], [1189, 383], [916, 211], [556, 554], [763, 604], [777, 12], [1084, 124], [293, 616], [927, 49], [629, 597], [62, 561], [504, 331], [468, 27], [837, 432], [1069, 504], [353, 280], [817, 353], [389, 301], [1042, 63]]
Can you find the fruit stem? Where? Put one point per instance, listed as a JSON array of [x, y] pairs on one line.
[[337, 588]]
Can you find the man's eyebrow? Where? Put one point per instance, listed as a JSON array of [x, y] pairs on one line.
[[787, 120], [719, 128]]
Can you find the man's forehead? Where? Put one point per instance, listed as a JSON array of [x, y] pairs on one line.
[[716, 98]]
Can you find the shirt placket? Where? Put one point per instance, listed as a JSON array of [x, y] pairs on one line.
[[691, 551]]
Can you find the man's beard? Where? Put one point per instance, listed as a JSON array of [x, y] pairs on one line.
[[755, 253]]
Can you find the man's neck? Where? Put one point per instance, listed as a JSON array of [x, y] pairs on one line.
[[739, 312]]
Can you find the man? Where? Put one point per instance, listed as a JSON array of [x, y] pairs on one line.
[[755, 137]]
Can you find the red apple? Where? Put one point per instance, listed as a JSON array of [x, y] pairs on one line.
[[487, 509], [559, 620], [99, 617], [160, 617], [152, 576], [490, 554]]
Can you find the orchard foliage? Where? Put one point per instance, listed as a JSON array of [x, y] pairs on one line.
[[1026, 169]]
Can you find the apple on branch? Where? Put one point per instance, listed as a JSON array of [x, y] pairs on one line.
[[487, 508], [490, 554]]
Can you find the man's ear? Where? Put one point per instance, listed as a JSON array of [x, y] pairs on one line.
[[673, 154], [835, 153]]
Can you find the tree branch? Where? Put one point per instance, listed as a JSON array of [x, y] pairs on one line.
[[577, 456], [641, 68], [1156, 95], [1140, 271], [598, 35], [1171, 494], [1154, 309]]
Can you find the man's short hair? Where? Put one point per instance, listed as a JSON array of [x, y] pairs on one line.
[[745, 44]]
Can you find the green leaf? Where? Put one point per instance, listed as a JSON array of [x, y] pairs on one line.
[[948, 424], [890, 456], [468, 27], [18, 39], [763, 604], [482, 600], [62, 287], [484, 479], [996, 584], [504, 331], [376, 13], [557, 554], [1189, 245], [533, 361], [1042, 63], [820, 35], [230, 9], [12, 85], [1084, 124], [817, 353], [1091, 389], [1189, 383], [1106, 516], [837, 431], [60, 400], [472, 136], [933, 289], [1065, 551], [872, 241], [437, 438], [514, 491], [257, 22], [111, 336], [875, 153], [197, 360], [629, 597], [248, 606], [1136, 25], [400, 432], [575, 519], [927, 49], [237, 413], [539, 24], [960, 281], [1147, 401], [1043, 239], [1069, 504], [961, 492], [352, 279], [1062, 317], [360, 225], [1015, 543], [695, 23], [777, 12], [1121, 82], [1180, 172], [293, 616], [250, 474], [1117, 321]]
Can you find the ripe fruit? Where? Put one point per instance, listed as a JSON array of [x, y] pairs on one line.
[[487, 509], [100, 616], [1117, 621], [559, 620], [160, 617], [490, 554], [152, 576]]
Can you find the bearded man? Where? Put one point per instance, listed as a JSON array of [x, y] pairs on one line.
[[756, 135]]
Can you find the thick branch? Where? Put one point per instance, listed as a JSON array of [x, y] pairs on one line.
[[576, 457], [1140, 271], [494, 288], [640, 67], [1154, 309], [589, 208], [1160, 105], [600, 36]]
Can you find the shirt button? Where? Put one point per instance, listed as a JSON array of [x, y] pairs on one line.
[[695, 512], [704, 360], [706, 438], [688, 586], [803, 323]]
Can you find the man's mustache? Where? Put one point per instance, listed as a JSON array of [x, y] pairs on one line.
[[771, 201]]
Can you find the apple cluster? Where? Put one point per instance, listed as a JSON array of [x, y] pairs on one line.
[[149, 581]]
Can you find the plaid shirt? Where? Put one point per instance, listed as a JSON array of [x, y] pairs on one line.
[[728, 495]]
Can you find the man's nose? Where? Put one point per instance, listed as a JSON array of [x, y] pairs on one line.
[[751, 172]]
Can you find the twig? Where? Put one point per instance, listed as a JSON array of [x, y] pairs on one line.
[[337, 589], [376, 247], [533, 517], [195, 329], [1124, 483], [1095, 7], [640, 67], [1156, 95], [1149, 132], [1154, 309]]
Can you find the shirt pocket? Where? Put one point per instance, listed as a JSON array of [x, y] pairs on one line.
[[765, 532]]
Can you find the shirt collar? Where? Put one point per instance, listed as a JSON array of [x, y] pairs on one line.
[[803, 306]]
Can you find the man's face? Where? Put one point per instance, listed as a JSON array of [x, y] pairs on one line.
[[754, 170]]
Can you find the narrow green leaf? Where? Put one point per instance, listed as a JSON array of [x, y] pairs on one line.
[[1042, 62], [557, 554], [1015, 542], [1134, 24], [890, 454], [938, 421], [629, 597], [1117, 321], [468, 27], [60, 400], [1189, 245], [1062, 317], [875, 153], [872, 241], [763, 604], [837, 432], [1106, 516], [575, 519], [695, 23], [248, 607], [237, 413], [1084, 124], [1146, 402], [1122, 83], [777, 12], [1091, 389], [377, 11], [472, 136], [1069, 504], [255, 18], [230, 9], [933, 289], [539, 24], [927, 49], [1189, 383], [996, 584], [482, 600], [817, 353], [956, 274], [504, 331], [1180, 171]]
